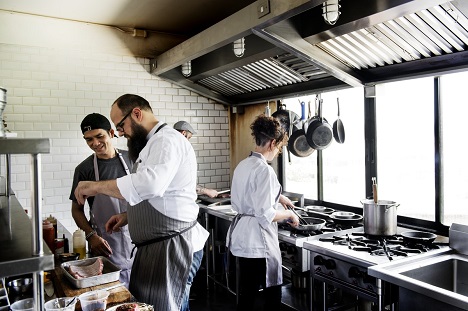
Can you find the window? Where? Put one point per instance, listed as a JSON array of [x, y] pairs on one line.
[[405, 146], [455, 164]]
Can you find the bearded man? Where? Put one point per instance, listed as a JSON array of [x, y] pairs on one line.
[[162, 216]]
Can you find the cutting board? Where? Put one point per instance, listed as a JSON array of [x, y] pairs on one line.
[[64, 288]]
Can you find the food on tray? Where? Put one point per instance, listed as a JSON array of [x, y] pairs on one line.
[[128, 307], [140, 306], [81, 272]]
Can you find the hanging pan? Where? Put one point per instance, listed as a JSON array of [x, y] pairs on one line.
[[319, 132], [297, 143], [288, 119], [338, 128]]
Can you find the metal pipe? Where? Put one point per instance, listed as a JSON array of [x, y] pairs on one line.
[[37, 244]]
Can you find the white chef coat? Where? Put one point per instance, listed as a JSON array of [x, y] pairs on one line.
[[254, 191], [167, 178]]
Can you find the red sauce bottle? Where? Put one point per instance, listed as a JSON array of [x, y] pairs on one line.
[[48, 234]]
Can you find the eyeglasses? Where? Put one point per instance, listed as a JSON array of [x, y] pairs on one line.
[[119, 126]]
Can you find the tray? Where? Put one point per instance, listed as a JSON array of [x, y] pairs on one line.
[[110, 272]]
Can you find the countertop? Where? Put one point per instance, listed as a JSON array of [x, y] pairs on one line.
[[63, 288]]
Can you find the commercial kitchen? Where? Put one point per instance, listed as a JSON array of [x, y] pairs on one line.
[[383, 190]]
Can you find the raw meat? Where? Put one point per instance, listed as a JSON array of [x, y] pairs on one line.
[[128, 307], [81, 272]]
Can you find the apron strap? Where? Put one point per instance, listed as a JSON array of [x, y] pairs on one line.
[[160, 239]]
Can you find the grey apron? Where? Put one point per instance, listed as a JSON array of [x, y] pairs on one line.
[[163, 258], [274, 272], [120, 242]]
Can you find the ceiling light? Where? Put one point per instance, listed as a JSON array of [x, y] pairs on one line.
[[238, 47], [331, 11], [187, 69]]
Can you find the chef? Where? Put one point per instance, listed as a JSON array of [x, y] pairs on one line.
[[187, 130], [105, 163], [162, 212]]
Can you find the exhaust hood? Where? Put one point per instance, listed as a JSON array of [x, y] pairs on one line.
[[291, 51]]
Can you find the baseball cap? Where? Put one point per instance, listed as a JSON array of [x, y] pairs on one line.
[[94, 121], [184, 126]]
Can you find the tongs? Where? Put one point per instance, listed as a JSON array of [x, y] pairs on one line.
[[302, 221]]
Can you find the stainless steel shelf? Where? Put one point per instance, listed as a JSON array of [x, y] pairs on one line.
[[23, 249], [17, 256], [24, 145]]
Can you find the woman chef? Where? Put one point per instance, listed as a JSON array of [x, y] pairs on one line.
[[253, 234]]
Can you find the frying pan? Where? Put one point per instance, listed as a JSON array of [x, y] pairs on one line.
[[320, 209], [298, 142], [288, 119], [338, 128], [351, 221], [418, 236], [319, 132], [308, 223], [313, 224]]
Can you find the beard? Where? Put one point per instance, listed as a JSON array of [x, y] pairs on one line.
[[136, 142]]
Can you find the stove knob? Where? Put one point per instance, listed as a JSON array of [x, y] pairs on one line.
[[368, 279], [354, 272], [291, 249], [330, 264], [283, 246], [318, 260]]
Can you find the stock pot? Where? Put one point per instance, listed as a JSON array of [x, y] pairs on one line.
[[380, 218]]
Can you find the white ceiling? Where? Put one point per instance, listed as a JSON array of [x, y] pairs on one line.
[[180, 18]]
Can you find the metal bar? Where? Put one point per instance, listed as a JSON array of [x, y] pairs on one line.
[[207, 254], [8, 175], [438, 154], [37, 245], [370, 133]]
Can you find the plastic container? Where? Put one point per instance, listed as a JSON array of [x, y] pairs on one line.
[[94, 300], [79, 243], [48, 234], [61, 304], [25, 305]]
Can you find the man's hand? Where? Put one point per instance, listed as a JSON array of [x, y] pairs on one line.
[[115, 222], [85, 189], [99, 246]]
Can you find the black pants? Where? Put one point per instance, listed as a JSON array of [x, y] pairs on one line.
[[252, 277]]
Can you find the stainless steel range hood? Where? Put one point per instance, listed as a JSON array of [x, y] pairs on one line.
[[292, 51]]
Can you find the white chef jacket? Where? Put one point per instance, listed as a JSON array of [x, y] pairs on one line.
[[254, 191], [166, 176]]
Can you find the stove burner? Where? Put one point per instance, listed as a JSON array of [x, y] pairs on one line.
[[389, 246]]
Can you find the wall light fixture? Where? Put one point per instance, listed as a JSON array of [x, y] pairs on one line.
[[238, 47], [331, 11], [186, 69]]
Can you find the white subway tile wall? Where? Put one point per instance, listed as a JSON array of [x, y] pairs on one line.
[[49, 91]]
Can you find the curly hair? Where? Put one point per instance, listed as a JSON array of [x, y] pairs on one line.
[[264, 129]]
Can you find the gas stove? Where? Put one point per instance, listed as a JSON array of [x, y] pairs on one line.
[[340, 259], [291, 242]]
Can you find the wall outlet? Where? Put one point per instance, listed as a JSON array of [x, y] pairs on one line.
[[263, 8]]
